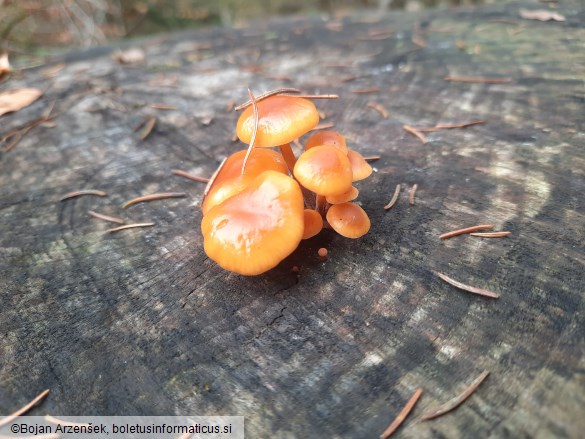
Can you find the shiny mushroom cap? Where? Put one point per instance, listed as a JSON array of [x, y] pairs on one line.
[[332, 138], [229, 180], [254, 230], [325, 170], [359, 167], [281, 119], [348, 219]]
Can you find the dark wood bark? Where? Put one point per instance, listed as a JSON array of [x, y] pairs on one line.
[[142, 322]]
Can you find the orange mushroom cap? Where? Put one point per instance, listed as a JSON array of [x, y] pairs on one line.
[[229, 180], [324, 170], [281, 119], [348, 219], [313, 223], [359, 167], [254, 230], [350, 195], [332, 138]]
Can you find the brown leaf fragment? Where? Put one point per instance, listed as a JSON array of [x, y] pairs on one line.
[[402, 415], [8, 419], [153, 197], [379, 108], [458, 400], [129, 56], [18, 98], [372, 158], [541, 15], [469, 289], [5, 68]]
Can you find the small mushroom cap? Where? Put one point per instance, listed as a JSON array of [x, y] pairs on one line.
[[359, 167], [348, 219], [281, 119], [332, 138], [254, 230], [313, 223], [324, 170], [229, 180], [350, 195]]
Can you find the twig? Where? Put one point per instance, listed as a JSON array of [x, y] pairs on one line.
[[149, 124], [83, 192], [8, 419], [212, 179], [467, 288], [57, 421], [324, 126], [411, 194], [189, 176], [394, 198], [466, 230], [491, 234], [458, 400], [379, 108], [253, 138], [365, 90], [19, 133], [129, 226], [402, 415], [477, 79], [372, 158], [419, 42], [101, 216], [416, 133], [153, 197], [450, 127], [163, 107], [267, 95], [312, 96]]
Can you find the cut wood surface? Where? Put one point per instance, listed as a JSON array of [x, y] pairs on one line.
[[142, 322]]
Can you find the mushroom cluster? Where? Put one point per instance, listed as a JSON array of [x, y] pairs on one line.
[[261, 203]]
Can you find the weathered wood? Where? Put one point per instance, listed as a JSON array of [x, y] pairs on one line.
[[141, 322]]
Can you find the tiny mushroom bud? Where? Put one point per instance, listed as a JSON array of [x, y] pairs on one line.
[[332, 138], [230, 180], [324, 170], [254, 230], [313, 223], [348, 219], [359, 167]]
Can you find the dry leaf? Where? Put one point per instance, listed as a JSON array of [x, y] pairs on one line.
[[541, 15], [130, 56], [4, 65], [15, 99]]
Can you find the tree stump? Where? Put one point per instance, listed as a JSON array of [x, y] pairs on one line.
[[141, 322]]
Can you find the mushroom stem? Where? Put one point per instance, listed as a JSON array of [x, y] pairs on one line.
[[320, 204], [289, 156]]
